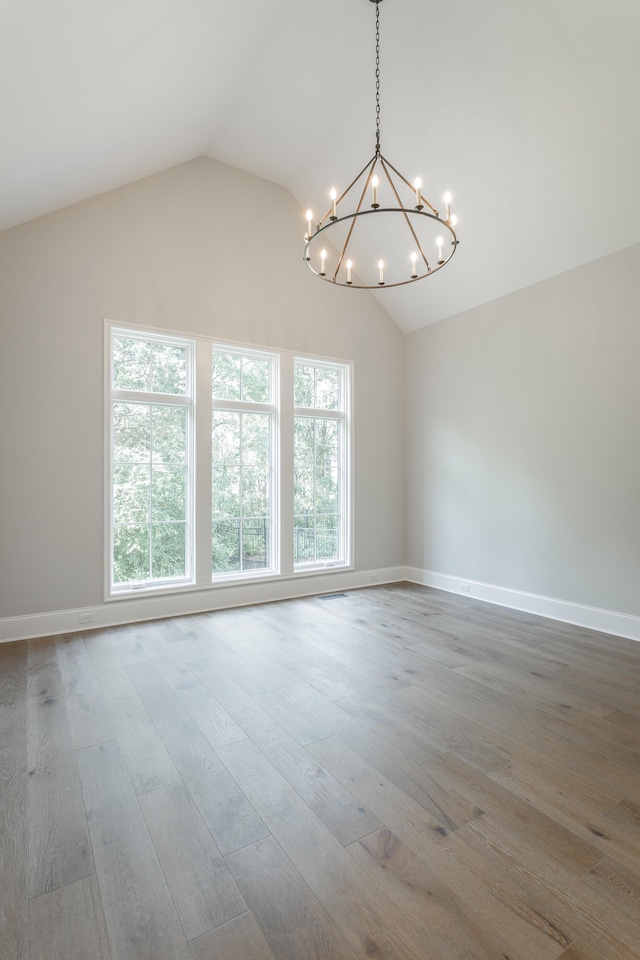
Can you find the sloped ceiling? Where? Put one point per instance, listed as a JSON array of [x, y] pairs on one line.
[[526, 112]]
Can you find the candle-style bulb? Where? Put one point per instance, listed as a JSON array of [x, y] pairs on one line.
[[447, 201], [349, 268], [374, 184], [374, 180], [381, 275], [323, 258], [454, 220], [414, 260], [418, 185], [333, 194], [439, 243]]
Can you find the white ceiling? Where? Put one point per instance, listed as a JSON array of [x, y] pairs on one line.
[[527, 112]]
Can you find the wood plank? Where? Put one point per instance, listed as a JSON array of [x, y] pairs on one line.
[[291, 919], [336, 806], [301, 725], [145, 755], [68, 924], [545, 886], [423, 736], [591, 946], [184, 635], [59, 845], [13, 693], [116, 688], [443, 803], [141, 918], [427, 839], [625, 816], [126, 645], [89, 720], [226, 811], [203, 890], [392, 807], [233, 665], [353, 903], [507, 723], [152, 638], [13, 852], [520, 818], [617, 886], [573, 801], [209, 716], [239, 939], [450, 916]]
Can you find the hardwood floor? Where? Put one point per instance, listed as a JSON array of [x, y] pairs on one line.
[[396, 773]]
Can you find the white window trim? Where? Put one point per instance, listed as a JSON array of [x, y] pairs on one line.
[[252, 406], [343, 414], [200, 441], [113, 591]]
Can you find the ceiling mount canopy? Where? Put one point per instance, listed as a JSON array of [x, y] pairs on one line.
[[381, 230]]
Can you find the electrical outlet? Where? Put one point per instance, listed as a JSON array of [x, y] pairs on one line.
[[465, 587], [86, 618]]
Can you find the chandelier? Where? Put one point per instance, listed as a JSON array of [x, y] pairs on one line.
[[385, 210]]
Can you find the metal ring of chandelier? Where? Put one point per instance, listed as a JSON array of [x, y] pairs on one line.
[[343, 275]]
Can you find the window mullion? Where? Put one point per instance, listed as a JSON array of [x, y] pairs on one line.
[[202, 464], [286, 470], [141, 396], [150, 523], [319, 414]]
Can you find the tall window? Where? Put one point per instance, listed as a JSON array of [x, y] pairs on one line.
[[224, 463], [151, 421], [320, 457], [242, 461]]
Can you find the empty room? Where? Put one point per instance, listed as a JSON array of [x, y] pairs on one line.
[[319, 480]]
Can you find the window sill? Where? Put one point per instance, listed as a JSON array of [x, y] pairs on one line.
[[229, 581]]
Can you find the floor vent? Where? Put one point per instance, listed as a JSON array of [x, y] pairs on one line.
[[332, 596]]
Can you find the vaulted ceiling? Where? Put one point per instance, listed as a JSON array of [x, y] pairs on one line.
[[526, 112]]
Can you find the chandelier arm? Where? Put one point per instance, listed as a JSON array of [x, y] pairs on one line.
[[371, 165], [411, 187], [408, 222]]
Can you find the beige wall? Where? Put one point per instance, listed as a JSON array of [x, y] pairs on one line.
[[524, 439], [201, 248], [522, 416]]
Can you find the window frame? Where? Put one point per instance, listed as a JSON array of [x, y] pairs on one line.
[[200, 461], [342, 414], [152, 399], [272, 409]]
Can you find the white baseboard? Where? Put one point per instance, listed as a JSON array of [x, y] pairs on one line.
[[118, 612], [594, 618]]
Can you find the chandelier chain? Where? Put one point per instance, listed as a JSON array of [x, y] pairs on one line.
[[377, 79]]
